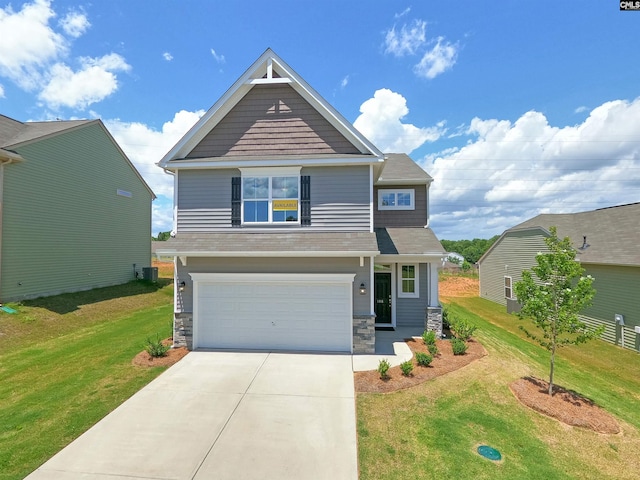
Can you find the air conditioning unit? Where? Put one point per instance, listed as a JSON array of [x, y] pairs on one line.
[[637, 328], [150, 274]]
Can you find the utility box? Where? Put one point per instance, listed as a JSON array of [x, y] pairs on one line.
[[150, 274]]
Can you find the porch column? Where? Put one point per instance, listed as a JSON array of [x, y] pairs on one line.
[[434, 300]]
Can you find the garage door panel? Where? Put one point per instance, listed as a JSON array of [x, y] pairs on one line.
[[293, 315]]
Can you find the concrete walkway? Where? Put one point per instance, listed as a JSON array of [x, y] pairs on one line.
[[226, 415]]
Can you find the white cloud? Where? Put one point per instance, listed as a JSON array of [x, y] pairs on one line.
[[581, 109], [217, 56], [1, 91], [403, 13], [146, 146], [167, 56], [75, 24], [380, 121], [35, 56], [344, 82], [28, 43], [409, 39], [509, 172], [439, 59], [94, 81]]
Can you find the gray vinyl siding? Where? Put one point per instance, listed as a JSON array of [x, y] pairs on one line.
[[515, 252], [339, 199], [411, 312], [64, 227], [361, 303], [204, 200], [402, 218], [273, 120]]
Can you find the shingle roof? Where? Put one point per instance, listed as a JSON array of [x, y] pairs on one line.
[[408, 241], [613, 233], [13, 133], [259, 244], [400, 169]]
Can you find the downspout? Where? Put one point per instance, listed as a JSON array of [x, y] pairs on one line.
[[2, 164]]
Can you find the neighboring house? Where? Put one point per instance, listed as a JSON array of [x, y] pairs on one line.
[[292, 231], [607, 245], [74, 212]]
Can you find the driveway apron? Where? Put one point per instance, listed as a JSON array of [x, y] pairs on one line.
[[226, 415]]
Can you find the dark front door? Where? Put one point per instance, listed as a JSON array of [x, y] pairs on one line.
[[383, 298]]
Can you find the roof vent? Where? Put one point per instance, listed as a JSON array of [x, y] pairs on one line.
[[585, 245]]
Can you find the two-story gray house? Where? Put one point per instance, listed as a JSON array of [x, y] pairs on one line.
[[293, 231]]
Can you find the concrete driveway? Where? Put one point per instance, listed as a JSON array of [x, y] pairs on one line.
[[226, 415]]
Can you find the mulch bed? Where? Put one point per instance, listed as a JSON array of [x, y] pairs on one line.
[[564, 405], [143, 359], [444, 362]]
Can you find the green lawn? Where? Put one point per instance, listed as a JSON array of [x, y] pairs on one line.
[[433, 430], [65, 363]]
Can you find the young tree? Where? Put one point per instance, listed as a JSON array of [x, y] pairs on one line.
[[555, 297]]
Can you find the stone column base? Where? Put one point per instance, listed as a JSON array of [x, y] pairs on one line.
[[364, 334], [433, 320], [183, 330]]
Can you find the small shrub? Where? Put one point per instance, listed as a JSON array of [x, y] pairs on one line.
[[423, 359], [462, 329], [429, 337], [155, 348], [383, 368], [433, 349], [459, 346], [406, 367], [445, 318]]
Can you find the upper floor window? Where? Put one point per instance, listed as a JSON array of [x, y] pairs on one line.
[[403, 199], [270, 199]]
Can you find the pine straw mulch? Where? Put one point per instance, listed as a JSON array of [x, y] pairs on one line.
[[143, 359], [444, 362], [567, 406]]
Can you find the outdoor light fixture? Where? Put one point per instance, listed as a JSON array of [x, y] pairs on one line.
[[182, 285], [363, 289]]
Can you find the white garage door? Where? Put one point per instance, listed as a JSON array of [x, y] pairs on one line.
[[273, 311]]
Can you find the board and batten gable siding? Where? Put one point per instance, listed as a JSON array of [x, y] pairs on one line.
[[272, 120], [361, 303], [515, 252], [65, 228], [411, 312], [339, 199], [402, 218]]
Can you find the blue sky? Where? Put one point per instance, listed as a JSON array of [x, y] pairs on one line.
[[515, 108]]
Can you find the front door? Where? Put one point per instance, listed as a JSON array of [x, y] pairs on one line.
[[383, 298]]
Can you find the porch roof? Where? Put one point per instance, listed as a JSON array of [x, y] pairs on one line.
[[408, 241]]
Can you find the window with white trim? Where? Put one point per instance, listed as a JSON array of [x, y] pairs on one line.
[[396, 199], [408, 281], [508, 291], [270, 199]]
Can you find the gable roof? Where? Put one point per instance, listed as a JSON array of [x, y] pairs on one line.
[[15, 134], [612, 233], [400, 169], [268, 69]]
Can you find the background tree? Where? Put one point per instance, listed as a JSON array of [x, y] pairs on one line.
[[555, 297], [471, 250]]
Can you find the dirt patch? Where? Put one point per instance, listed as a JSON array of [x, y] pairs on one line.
[[564, 405], [444, 362], [143, 359], [458, 286]]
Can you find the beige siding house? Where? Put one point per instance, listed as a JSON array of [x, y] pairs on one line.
[[607, 245], [75, 213], [292, 231]]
